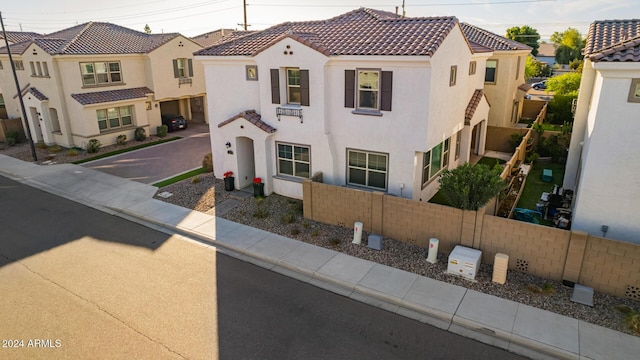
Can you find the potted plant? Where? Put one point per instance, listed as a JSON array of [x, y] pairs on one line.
[[258, 187], [229, 181]]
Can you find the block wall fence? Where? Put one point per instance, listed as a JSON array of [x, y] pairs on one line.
[[606, 265]]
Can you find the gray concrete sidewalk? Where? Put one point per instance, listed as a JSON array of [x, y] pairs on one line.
[[522, 329]]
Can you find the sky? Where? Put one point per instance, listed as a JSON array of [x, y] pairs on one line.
[[194, 17]]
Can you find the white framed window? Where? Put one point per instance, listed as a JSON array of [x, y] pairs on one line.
[[368, 91], [490, 72], [18, 64], [369, 169], [100, 73], [453, 74], [45, 68], [32, 65], [293, 86], [113, 118], [39, 68], [294, 160], [434, 160], [472, 68], [182, 67], [458, 141]]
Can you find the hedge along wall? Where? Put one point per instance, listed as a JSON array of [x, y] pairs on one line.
[[607, 265]]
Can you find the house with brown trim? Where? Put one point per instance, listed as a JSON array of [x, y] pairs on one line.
[[100, 80], [504, 81], [367, 99], [603, 165]]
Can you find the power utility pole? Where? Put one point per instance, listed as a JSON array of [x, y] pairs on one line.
[[244, 5], [15, 77]]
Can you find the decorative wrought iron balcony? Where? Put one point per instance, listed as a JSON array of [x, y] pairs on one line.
[[288, 112], [185, 80]]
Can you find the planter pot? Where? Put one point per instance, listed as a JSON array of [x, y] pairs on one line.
[[229, 183], [258, 190]]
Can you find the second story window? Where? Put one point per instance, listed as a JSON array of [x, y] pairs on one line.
[[368, 89], [490, 74], [472, 68], [453, 75], [100, 73], [293, 86], [182, 68], [19, 65]]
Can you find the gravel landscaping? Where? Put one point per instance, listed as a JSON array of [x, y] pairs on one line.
[[283, 216]]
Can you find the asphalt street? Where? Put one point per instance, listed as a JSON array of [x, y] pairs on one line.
[[91, 285]]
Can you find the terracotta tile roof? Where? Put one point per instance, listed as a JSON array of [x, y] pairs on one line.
[[99, 97], [33, 91], [485, 38], [214, 37], [359, 32], [253, 117], [94, 38], [473, 105], [626, 51], [19, 36], [606, 33]]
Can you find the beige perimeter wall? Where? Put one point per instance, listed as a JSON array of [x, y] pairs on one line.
[[606, 265]]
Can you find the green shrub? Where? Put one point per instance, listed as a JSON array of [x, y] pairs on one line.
[[121, 139], [162, 131], [633, 321], [314, 233], [288, 218], [72, 152], [294, 231], [140, 134], [261, 213], [41, 145], [93, 146], [207, 163], [515, 140], [195, 179], [55, 148], [12, 137]]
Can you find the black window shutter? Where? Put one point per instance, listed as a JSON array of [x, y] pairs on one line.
[[304, 87], [349, 88], [190, 61], [387, 87], [175, 68], [275, 86]]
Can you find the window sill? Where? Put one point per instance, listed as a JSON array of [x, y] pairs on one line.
[[290, 178], [102, 85], [366, 112], [291, 106], [117, 130]]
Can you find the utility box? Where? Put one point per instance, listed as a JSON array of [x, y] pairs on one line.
[[464, 261]]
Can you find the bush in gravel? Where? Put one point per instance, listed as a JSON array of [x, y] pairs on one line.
[[261, 213], [314, 233], [294, 231], [633, 321], [41, 145], [195, 179], [288, 218], [72, 152], [12, 137], [140, 134], [207, 163], [55, 148], [334, 241], [121, 139], [93, 146], [162, 130]]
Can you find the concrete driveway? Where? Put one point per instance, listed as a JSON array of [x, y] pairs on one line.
[[155, 163]]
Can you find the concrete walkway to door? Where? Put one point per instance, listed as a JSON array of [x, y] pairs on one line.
[[156, 163]]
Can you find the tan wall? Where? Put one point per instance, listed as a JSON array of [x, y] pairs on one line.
[[531, 108], [498, 138], [10, 125], [606, 265]]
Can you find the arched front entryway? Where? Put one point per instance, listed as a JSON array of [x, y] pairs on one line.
[[246, 161]]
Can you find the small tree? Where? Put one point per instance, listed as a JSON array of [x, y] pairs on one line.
[[526, 35], [470, 187], [147, 29]]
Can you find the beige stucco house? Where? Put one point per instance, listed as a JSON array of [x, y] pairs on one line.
[[603, 165], [504, 82], [100, 80], [368, 99]]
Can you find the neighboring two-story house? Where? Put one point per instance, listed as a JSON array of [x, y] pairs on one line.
[[603, 166], [100, 80], [504, 82], [12, 38], [368, 99]]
